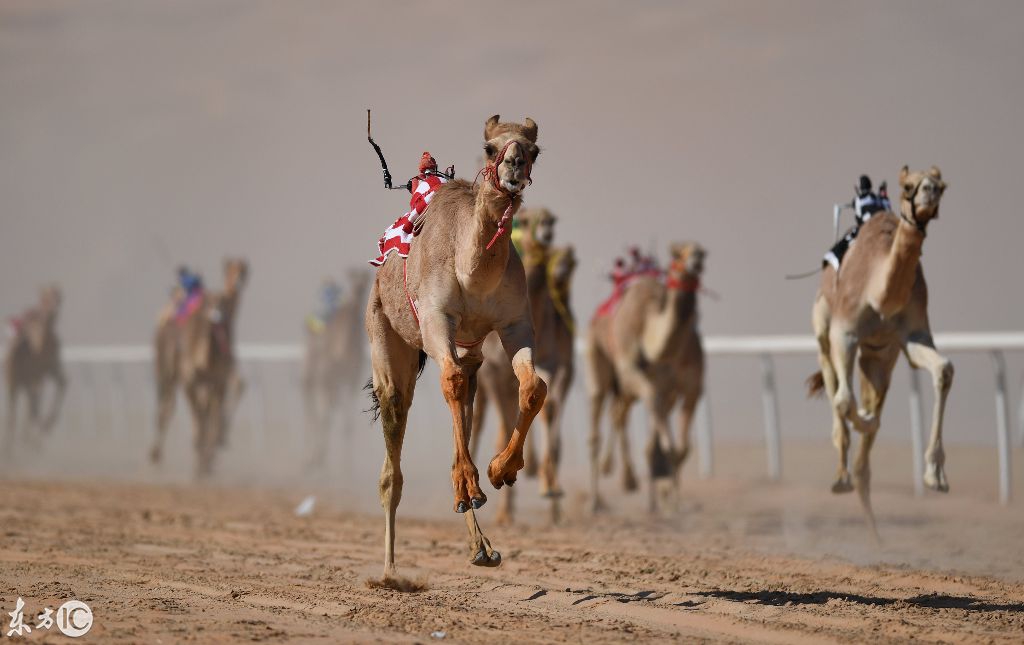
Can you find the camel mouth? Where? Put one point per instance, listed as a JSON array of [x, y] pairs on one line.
[[512, 185]]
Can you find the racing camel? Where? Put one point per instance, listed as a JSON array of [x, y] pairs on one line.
[[32, 356], [334, 364], [197, 353], [461, 281], [875, 308], [644, 345]]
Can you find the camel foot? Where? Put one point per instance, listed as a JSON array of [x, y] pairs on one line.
[[154, 455], [842, 484], [476, 502], [503, 468], [553, 493], [629, 482], [483, 559], [935, 478], [598, 506]]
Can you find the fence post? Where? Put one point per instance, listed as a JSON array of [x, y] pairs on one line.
[[705, 450], [1002, 426], [1020, 420], [917, 431], [770, 406]]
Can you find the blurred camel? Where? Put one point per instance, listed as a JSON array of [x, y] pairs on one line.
[[197, 353], [874, 308], [33, 355], [461, 281], [333, 369], [648, 347], [549, 278]]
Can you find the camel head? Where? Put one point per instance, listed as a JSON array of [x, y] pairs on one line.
[[236, 271], [920, 193], [49, 299], [538, 226], [511, 150], [358, 281], [563, 265], [687, 261]]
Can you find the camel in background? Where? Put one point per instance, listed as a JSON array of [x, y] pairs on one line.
[[648, 347], [333, 365], [198, 355], [461, 281], [32, 356], [549, 277], [873, 309]]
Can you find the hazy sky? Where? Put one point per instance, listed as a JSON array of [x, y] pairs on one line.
[[137, 135]]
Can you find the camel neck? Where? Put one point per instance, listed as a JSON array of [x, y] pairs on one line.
[[900, 269], [478, 268], [665, 329]]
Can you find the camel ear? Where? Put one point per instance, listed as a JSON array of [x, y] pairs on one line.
[[491, 126], [675, 249], [530, 129], [904, 172], [935, 172]]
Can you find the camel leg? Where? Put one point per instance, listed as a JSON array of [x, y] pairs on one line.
[[843, 352], [620, 416], [517, 339], [922, 353], [875, 375], [12, 414], [394, 382], [50, 420], [198, 399], [233, 398], [479, 417], [660, 449], [691, 397], [166, 399], [508, 410], [840, 430], [456, 379]]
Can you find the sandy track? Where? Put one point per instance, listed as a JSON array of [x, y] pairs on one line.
[[167, 564]]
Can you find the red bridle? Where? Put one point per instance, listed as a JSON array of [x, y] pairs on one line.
[[686, 285], [490, 173]]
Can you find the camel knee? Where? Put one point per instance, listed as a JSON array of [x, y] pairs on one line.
[[944, 376], [390, 485], [454, 382], [532, 395]]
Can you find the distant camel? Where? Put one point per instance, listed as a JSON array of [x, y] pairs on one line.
[[548, 276], [333, 371], [462, 280], [32, 356], [875, 308], [648, 347], [198, 354]]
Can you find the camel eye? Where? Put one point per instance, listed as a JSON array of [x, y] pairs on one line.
[[908, 188], [489, 150]]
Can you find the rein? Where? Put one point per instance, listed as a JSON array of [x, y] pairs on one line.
[[912, 220]]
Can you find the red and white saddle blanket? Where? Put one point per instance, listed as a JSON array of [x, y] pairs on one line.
[[398, 237]]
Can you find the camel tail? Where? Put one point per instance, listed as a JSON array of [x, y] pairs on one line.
[[374, 409], [815, 385]]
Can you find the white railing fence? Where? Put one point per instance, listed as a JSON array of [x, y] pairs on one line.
[[765, 348]]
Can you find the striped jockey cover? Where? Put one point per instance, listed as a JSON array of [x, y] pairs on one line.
[[398, 237]]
